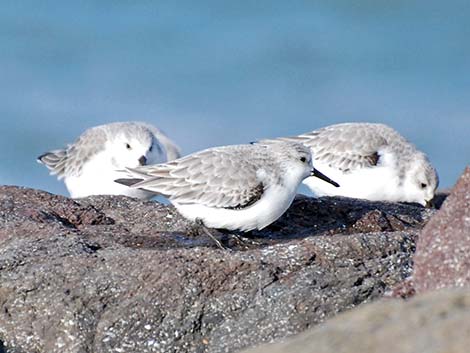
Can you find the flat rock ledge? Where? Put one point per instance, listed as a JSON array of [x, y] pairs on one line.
[[116, 274]]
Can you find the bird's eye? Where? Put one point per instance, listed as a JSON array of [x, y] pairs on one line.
[[128, 146], [423, 186], [303, 159]]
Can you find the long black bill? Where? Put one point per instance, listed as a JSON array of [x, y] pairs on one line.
[[323, 177]]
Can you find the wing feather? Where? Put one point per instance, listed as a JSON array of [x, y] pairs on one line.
[[70, 161], [209, 177], [55, 161], [349, 146]]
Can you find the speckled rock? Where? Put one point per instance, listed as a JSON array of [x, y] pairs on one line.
[[115, 274], [437, 322], [442, 258]]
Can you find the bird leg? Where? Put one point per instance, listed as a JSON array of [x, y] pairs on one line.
[[207, 232]]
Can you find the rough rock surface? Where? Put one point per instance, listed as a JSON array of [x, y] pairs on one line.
[[442, 258], [436, 322], [115, 274]]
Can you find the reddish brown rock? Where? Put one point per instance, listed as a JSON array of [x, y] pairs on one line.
[[442, 257]]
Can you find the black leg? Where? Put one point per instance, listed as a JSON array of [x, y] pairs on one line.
[[207, 232]]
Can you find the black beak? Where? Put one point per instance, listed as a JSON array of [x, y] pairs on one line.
[[143, 160], [323, 177], [430, 204]]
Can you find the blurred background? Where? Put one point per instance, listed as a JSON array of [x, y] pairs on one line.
[[214, 73]]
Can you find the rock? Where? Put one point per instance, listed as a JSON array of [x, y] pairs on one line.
[[115, 274], [442, 258], [436, 322]]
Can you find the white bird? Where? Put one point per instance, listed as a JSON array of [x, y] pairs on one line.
[[240, 187], [90, 165], [369, 161]]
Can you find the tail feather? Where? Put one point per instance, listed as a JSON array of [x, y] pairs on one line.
[[128, 182], [54, 161]]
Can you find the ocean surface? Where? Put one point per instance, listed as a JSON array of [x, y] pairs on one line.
[[218, 72]]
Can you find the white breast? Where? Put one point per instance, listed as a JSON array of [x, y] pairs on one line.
[[379, 182], [97, 178]]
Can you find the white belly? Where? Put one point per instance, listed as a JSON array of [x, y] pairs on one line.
[[97, 178], [274, 202], [374, 183]]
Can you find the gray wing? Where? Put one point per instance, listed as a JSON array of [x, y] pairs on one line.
[[172, 150], [55, 161], [347, 146], [69, 161], [215, 178]]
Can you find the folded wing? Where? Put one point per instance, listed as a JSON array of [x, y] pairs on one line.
[[214, 178]]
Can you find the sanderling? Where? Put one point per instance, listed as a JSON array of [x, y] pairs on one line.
[[90, 165], [240, 187], [369, 161]]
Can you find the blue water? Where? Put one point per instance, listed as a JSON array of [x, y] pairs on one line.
[[213, 73]]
